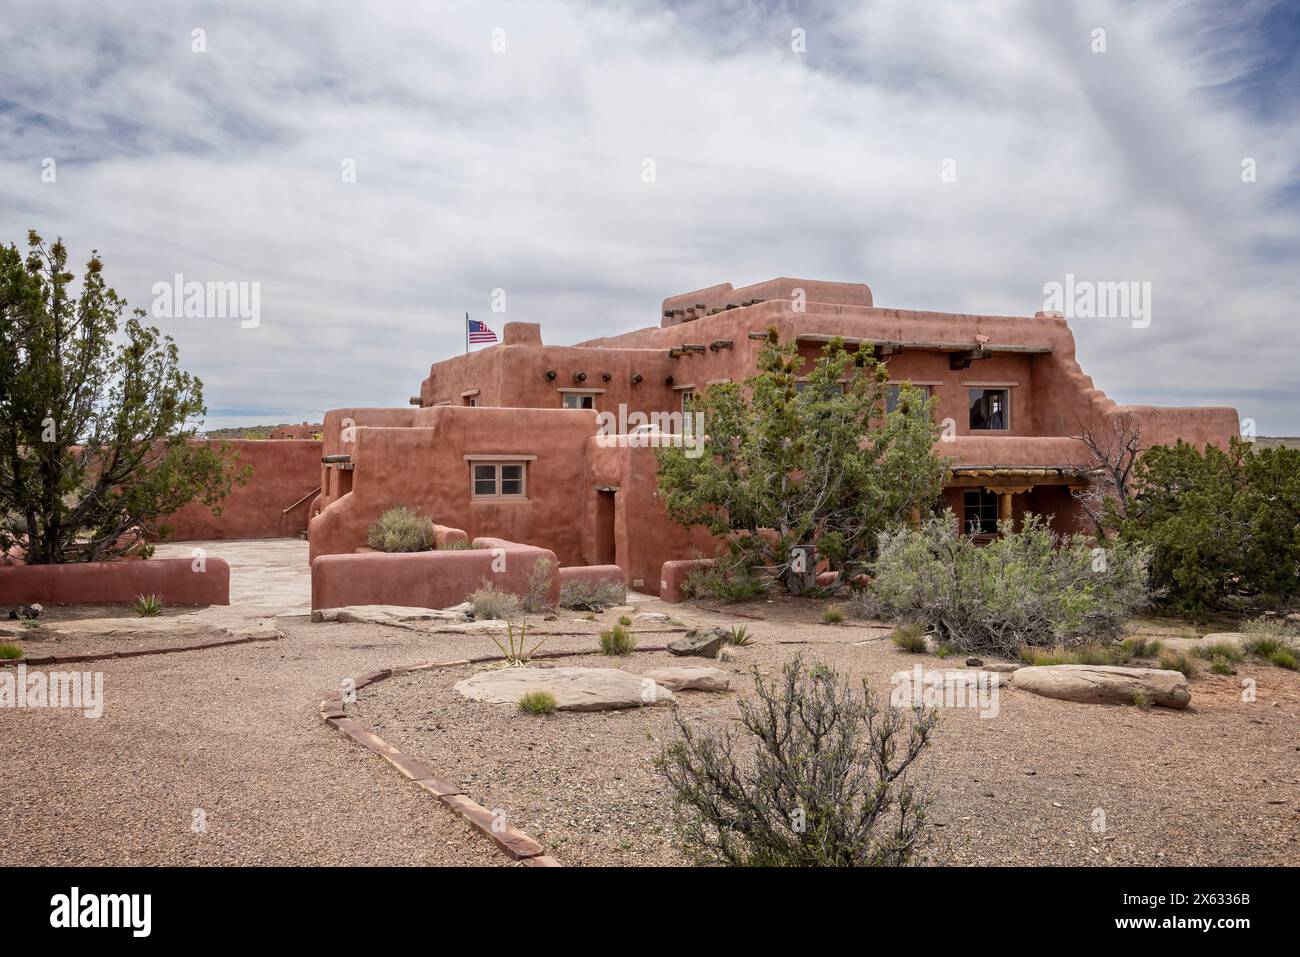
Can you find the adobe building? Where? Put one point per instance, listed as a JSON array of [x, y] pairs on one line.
[[503, 442]]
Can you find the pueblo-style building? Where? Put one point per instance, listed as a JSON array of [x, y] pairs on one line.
[[504, 443]]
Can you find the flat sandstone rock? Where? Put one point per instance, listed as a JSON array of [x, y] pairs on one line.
[[1104, 684], [691, 679], [575, 689]]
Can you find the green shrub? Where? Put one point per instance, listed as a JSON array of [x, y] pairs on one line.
[[826, 782], [1028, 587], [833, 615], [1284, 659], [537, 702], [1220, 665], [1142, 698], [9, 652], [724, 583], [625, 621], [513, 647], [617, 641], [1220, 525], [490, 602], [401, 530], [1263, 646], [739, 637], [1140, 647], [148, 606], [1219, 649], [454, 545], [586, 595], [1179, 661], [537, 591], [910, 638]]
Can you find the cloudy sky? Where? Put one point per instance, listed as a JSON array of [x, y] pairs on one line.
[[505, 146]]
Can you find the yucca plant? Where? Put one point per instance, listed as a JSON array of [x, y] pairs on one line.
[[148, 606], [740, 637], [513, 648]]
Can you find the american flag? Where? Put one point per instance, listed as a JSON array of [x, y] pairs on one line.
[[479, 332]]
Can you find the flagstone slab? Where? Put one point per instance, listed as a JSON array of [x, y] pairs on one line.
[[575, 689]]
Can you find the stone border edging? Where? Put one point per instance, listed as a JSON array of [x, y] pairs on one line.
[[138, 653], [509, 839]]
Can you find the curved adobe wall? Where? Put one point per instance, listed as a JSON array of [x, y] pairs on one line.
[[117, 583]]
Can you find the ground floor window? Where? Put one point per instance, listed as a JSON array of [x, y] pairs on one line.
[[499, 479], [980, 513]]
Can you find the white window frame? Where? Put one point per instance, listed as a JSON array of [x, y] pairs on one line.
[[589, 394]]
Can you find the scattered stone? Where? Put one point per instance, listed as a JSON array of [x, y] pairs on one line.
[[575, 689], [652, 616], [973, 662], [26, 611], [1104, 684], [703, 644], [691, 679]]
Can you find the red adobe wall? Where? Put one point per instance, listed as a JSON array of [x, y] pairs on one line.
[[284, 471], [425, 579], [117, 583]]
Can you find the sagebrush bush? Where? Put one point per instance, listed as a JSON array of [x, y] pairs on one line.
[[490, 602], [537, 593], [910, 638], [617, 641], [148, 606], [724, 583], [1029, 587], [1179, 661], [833, 615], [537, 702], [825, 783], [584, 595], [401, 530]]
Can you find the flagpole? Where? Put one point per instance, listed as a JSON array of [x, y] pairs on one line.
[[467, 333]]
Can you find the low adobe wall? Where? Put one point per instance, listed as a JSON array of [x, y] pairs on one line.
[[274, 503], [594, 572], [117, 583], [674, 576], [433, 579]]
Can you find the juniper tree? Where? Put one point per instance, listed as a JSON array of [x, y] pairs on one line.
[[95, 415], [824, 465]]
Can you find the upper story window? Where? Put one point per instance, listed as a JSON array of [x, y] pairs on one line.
[[499, 479], [579, 400], [990, 409], [687, 396]]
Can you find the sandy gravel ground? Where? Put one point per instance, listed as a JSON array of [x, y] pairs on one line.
[[235, 733], [1216, 784]]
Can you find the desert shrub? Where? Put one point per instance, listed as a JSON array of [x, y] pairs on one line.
[[1221, 665], [1142, 698], [1219, 649], [400, 530], [1030, 587], [537, 702], [1179, 661], [625, 621], [724, 583], [739, 637], [1220, 525], [1284, 659], [584, 595], [1089, 653], [617, 641], [833, 615], [943, 650], [825, 783], [513, 647], [1140, 647], [490, 602], [147, 606], [537, 591], [9, 652], [454, 545], [910, 638]]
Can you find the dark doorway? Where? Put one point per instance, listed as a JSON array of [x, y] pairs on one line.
[[605, 546]]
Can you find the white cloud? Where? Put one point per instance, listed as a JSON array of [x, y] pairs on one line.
[[522, 170]]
